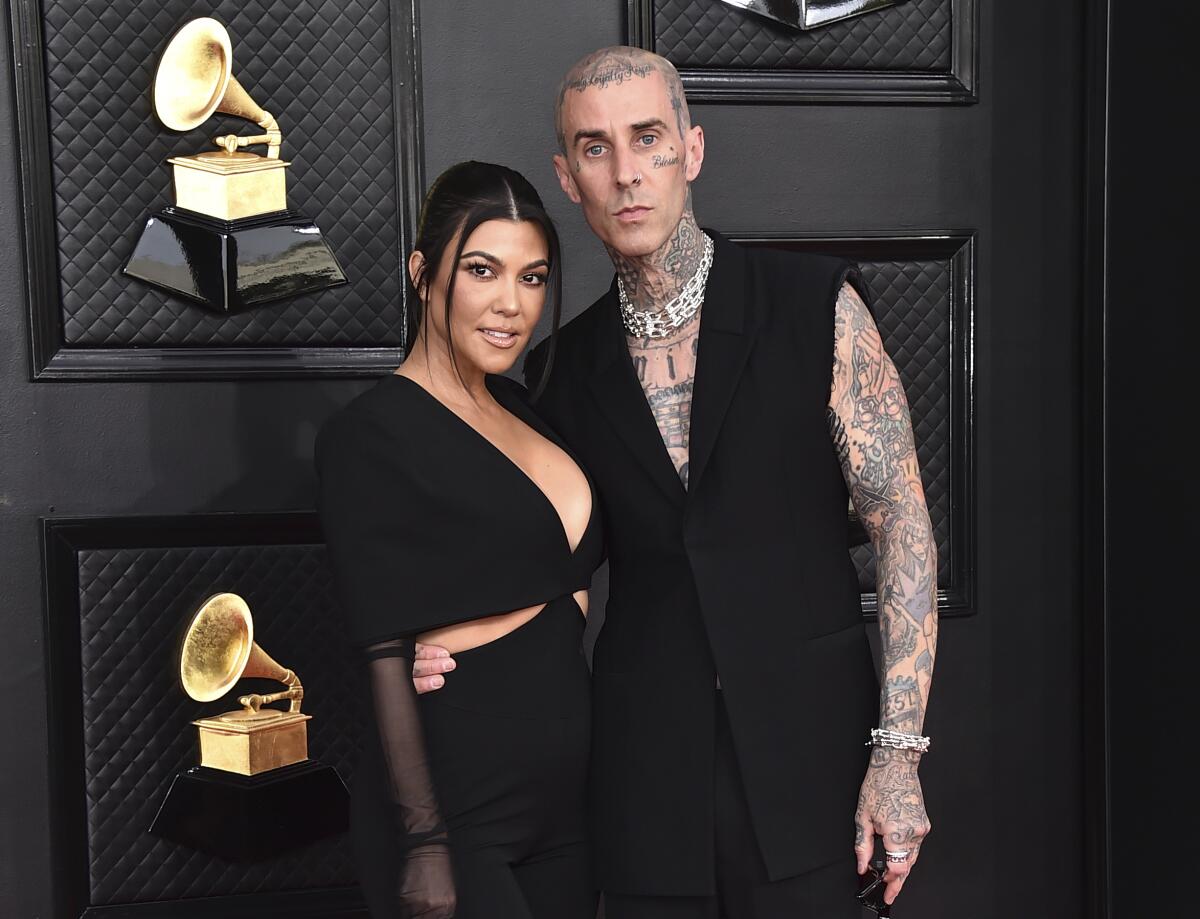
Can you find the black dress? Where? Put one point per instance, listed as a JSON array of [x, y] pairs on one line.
[[427, 523]]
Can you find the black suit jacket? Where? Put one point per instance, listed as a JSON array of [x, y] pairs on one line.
[[745, 573]]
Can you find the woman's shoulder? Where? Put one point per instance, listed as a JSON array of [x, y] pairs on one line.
[[384, 416]]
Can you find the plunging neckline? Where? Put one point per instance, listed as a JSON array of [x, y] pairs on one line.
[[562, 526]]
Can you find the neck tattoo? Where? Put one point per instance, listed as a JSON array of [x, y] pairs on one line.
[[679, 310]]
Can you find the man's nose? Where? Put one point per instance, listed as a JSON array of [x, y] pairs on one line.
[[627, 167]]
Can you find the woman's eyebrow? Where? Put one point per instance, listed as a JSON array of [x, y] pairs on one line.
[[540, 263], [479, 253]]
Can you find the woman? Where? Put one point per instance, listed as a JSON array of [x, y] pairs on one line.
[[452, 515]]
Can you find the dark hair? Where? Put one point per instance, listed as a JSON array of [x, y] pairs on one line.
[[461, 198]]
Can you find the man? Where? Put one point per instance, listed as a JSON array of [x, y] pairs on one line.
[[725, 400]]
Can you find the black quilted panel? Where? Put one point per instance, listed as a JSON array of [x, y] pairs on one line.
[[911, 303], [914, 36], [323, 69], [133, 604]]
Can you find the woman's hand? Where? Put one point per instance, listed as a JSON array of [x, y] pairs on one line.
[[430, 662], [426, 884]]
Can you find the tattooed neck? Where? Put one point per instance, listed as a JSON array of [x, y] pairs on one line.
[[651, 281]]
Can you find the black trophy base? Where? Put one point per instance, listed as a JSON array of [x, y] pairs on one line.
[[246, 818], [233, 265]]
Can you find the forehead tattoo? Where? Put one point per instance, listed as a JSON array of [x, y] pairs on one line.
[[612, 67]]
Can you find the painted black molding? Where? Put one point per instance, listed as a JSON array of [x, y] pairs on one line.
[[958, 597], [1093, 542], [62, 539], [52, 359], [960, 86]]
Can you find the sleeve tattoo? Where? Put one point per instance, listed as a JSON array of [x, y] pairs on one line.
[[873, 437]]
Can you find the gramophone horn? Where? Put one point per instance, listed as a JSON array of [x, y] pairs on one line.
[[195, 78], [217, 647]]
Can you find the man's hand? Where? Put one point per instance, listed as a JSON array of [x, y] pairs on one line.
[[891, 806], [429, 664]]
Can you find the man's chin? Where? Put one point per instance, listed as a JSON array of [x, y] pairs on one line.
[[636, 241]]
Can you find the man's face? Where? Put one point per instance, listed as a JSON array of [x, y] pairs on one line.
[[613, 134]]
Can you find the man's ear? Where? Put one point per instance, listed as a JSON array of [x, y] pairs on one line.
[[695, 151], [565, 179], [416, 266]]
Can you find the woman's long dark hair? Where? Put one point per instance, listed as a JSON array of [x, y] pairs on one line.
[[461, 198]]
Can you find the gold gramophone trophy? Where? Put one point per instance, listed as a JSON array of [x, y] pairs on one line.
[[229, 242], [255, 792], [218, 650]]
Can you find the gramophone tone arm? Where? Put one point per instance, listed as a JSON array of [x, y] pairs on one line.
[[254, 701], [231, 142], [294, 693]]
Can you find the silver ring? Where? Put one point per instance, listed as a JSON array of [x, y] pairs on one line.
[[637, 178], [900, 855]]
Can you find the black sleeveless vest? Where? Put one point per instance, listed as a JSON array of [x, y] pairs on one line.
[[746, 574]]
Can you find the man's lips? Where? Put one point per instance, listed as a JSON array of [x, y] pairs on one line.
[[630, 214]]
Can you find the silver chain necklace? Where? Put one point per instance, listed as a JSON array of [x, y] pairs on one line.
[[662, 322]]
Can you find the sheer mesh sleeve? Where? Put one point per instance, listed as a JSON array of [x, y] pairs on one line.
[[424, 883]]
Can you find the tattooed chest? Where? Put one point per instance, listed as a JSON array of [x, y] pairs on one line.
[[667, 372]]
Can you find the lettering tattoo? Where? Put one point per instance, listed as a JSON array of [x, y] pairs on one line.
[[612, 71], [872, 436], [659, 161], [614, 66], [666, 368], [902, 704]]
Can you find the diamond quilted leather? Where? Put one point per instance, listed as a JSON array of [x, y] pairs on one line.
[[133, 604], [911, 303], [913, 36], [323, 69]]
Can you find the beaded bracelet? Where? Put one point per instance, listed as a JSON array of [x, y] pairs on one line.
[[897, 740]]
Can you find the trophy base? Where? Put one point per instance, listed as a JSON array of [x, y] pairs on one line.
[[246, 818], [270, 741], [233, 265], [229, 186]]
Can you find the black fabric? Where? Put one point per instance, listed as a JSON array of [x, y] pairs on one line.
[[743, 889], [412, 543], [507, 743], [423, 883], [427, 523], [745, 573]]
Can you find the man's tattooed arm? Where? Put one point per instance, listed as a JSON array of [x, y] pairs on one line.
[[872, 434]]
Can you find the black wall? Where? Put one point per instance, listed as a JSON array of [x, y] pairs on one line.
[[1004, 782]]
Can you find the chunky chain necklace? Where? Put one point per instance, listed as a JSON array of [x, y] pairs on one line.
[[662, 322]]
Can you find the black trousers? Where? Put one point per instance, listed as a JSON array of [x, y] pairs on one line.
[[743, 890]]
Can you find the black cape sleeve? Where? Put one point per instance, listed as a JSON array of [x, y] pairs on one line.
[[352, 454], [411, 546]]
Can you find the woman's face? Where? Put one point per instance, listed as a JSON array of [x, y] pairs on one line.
[[499, 293]]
